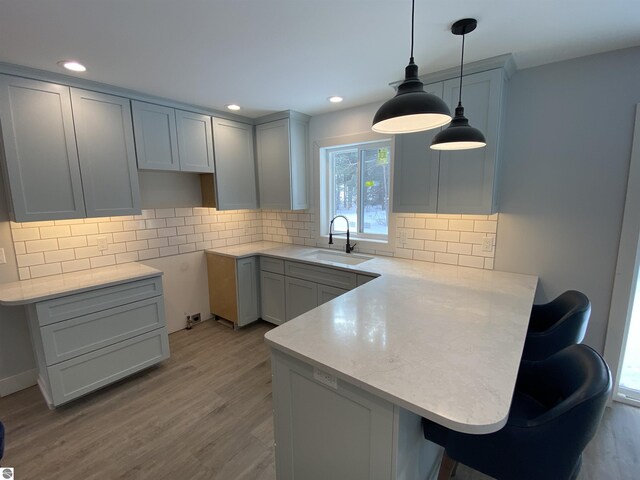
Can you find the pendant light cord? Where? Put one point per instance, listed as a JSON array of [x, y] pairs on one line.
[[461, 65], [413, 9]]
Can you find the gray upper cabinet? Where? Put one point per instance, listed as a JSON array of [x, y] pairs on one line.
[[42, 173], [154, 127], [235, 165], [106, 152], [468, 177], [282, 162], [195, 142], [416, 168], [461, 181]]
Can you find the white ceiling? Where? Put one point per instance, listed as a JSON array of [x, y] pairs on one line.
[[272, 55]]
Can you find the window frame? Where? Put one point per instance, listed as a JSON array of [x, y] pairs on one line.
[[324, 195]]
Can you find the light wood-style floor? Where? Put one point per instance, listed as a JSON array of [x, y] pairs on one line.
[[206, 414]]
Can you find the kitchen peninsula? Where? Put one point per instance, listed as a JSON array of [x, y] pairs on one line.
[[353, 377]]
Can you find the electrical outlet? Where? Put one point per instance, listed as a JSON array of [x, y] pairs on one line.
[[487, 244], [195, 317], [102, 244], [3, 258], [325, 378]]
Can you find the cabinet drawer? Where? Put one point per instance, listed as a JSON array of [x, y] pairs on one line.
[[63, 308], [327, 276], [77, 336], [86, 373], [273, 265]]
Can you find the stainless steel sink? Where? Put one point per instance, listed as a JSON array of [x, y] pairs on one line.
[[337, 257]]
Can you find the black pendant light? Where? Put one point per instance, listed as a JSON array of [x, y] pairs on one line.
[[412, 109], [459, 135]]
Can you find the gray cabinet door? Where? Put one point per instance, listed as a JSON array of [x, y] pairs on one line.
[[415, 169], [301, 296], [195, 142], [468, 177], [298, 130], [106, 152], [326, 293], [41, 160], [154, 127], [274, 174], [248, 290], [235, 165], [331, 432], [272, 297]]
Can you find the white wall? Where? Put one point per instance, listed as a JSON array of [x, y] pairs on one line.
[[567, 147]]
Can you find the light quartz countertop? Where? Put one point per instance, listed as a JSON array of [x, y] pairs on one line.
[[441, 341], [38, 289]]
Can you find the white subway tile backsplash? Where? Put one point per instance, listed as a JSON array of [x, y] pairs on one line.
[[30, 259], [55, 232], [20, 248], [41, 245], [47, 248], [124, 237], [72, 242], [45, 270], [110, 227], [103, 261], [23, 234], [87, 252], [76, 265], [127, 257], [59, 255], [85, 229]]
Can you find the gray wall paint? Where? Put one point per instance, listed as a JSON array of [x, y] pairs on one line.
[[567, 147], [16, 355]]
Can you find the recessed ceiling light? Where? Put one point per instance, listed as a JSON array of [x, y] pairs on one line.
[[72, 65], [335, 99], [233, 106]]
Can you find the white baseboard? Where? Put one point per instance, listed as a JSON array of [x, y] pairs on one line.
[[18, 382]]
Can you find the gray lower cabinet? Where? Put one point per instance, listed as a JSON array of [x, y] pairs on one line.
[[330, 431], [195, 142], [248, 290], [272, 297], [327, 293], [235, 165], [452, 182], [106, 152], [88, 340], [289, 288], [362, 279], [281, 147], [301, 296]]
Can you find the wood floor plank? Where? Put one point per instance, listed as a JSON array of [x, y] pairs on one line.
[[204, 414]]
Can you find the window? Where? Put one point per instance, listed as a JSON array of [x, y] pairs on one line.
[[357, 186]]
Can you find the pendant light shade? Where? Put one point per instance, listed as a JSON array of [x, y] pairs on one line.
[[412, 109], [459, 135]]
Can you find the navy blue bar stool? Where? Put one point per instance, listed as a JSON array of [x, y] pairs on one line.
[[556, 409], [556, 325]]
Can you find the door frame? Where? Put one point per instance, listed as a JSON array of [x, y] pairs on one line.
[[626, 275]]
